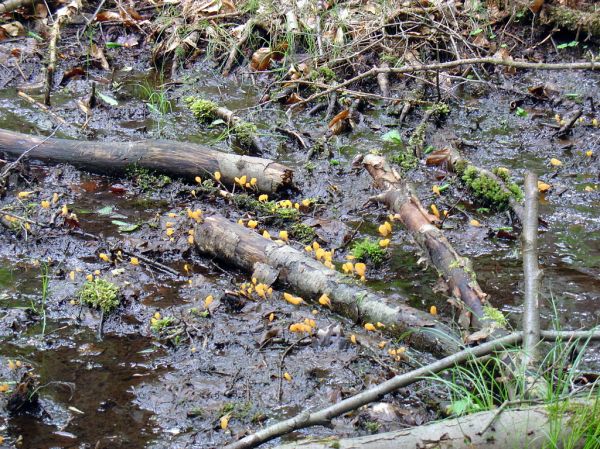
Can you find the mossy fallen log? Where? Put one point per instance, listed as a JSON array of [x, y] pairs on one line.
[[179, 159], [248, 250]]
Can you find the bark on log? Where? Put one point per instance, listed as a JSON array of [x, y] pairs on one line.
[[452, 157], [173, 158], [528, 427], [247, 249], [455, 269]]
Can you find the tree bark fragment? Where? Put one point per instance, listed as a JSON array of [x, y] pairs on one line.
[[247, 249], [173, 158]]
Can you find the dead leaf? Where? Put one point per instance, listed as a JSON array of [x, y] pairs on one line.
[[108, 16], [339, 123], [261, 59], [71, 73], [293, 99], [536, 5], [98, 54], [12, 29], [438, 157], [504, 54]]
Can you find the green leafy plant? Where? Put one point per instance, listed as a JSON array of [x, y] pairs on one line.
[[100, 294], [147, 180], [368, 249]]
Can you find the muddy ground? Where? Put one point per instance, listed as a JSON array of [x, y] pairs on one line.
[[136, 387]]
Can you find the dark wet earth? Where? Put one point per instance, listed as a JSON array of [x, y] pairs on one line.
[[137, 388]]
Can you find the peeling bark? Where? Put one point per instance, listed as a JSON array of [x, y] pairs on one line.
[[246, 249], [173, 158], [456, 270]]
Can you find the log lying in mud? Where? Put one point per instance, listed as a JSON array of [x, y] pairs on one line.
[[529, 427], [454, 161], [455, 269], [246, 249], [173, 158]]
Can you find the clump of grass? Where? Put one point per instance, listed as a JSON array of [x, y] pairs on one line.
[[269, 210], [158, 325], [156, 99], [100, 294], [303, 233], [203, 110], [368, 249], [147, 180]]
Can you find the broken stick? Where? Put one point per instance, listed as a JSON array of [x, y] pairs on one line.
[[63, 16], [456, 270], [246, 249], [180, 159]]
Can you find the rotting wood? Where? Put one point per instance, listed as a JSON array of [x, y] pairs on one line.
[[324, 416], [246, 249], [178, 159], [63, 16], [455, 162], [529, 427], [532, 274], [456, 270]]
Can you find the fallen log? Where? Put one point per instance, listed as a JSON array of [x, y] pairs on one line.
[[173, 158], [456, 270], [532, 427], [456, 163], [248, 250]]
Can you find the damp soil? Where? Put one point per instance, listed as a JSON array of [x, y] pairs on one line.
[[132, 386]]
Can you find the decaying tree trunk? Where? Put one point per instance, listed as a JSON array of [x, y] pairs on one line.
[[250, 251], [173, 158], [528, 427], [456, 163], [455, 269]]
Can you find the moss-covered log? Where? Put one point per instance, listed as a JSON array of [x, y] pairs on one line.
[[177, 159], [456, 270], [495, 190], [248, 250]]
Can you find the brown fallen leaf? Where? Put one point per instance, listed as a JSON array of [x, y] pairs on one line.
[[97, 54], [339, 123], [438, 157], [536, 5], [261, 59]]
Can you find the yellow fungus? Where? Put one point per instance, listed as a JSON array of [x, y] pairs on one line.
[[217, 175], [384, 243], [543, 187], [271, 317], [253, 181], [198, 179], [266, 235], [433, 310], [170, 231], [208, 301], [474, 222], [370, 327], [436, 190], [45, 204], [23, 195], [287, 376], [324, 300], [435, 211], [353, 338], [555, 162], [283, 235], [360, 268], [224, 421], [263, 198], [252, 224], [588, 153], [72, 275], [89, 277], [55, 198], [295, 300], [134, 261], [104, 257]]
